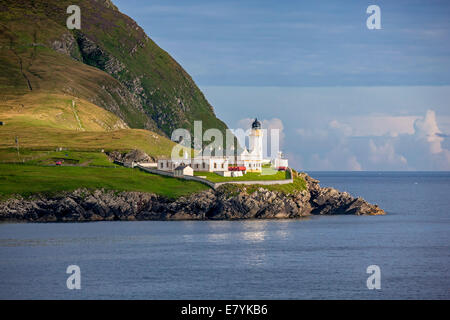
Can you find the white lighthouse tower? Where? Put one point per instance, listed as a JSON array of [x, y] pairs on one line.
[[255, 140], [255, 155]]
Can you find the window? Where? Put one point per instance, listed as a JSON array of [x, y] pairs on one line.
[[196, 165], [215, 165], [222, 165], [203, 165]]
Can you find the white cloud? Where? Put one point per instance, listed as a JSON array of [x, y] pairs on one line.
[[273, 140], [353, 164], [376, 125], [427, 129], [342, 127], [274, 123], [268, 124], [401, 143], [335, 159], [385, 154], [312, 133], [318, 120]]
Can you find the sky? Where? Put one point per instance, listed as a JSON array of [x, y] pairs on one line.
[[344, 96]]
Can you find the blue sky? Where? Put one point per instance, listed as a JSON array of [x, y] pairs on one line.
[[347, 98]]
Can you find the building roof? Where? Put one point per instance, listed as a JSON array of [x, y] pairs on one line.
[[256, 124], [182, 167]]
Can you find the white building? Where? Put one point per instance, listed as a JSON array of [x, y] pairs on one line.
[[252, 160], [183, 170], [209, 164], [279, 161]]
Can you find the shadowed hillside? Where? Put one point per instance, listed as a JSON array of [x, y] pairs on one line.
[[110, 62]]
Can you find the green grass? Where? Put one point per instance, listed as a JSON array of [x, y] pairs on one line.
[[46, 122], [42, 157], [44, 139], [26, 180], [164, 83], [250, 176], [298, 185], [80, 158]]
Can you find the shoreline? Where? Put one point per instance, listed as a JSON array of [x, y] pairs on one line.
[[230, 202]]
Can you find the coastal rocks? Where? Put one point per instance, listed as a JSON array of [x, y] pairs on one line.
[[100, 205], [132, 156], [332, 201], [261, 204]]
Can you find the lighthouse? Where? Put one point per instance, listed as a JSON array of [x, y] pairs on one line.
[[256, 140]]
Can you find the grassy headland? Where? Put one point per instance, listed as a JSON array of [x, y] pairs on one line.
[[298, 185], [25, 180], [250, 176]]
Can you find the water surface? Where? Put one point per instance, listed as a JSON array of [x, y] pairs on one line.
[[314, 258]]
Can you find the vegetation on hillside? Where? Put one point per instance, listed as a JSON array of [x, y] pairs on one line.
[[25, 180], [67, 158], [250, 176], [299, 184], [43, 121], [110, 62], [72, 95]]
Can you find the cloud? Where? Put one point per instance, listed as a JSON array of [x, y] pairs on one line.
[[353, 164], [274, 131], [402, 143], [427, 129], [328, 149], [377, 125], [272, 124], [312, 133], [268, 124], [345, 129], [386, 154], [335, 159]]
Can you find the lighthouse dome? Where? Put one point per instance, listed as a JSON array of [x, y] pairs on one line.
[[256, 124]]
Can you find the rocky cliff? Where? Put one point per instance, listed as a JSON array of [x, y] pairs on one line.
[[229, 202]]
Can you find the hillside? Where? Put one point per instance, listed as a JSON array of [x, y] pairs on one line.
[[43, 121], [110, 63], [28, 180], [71, 96]]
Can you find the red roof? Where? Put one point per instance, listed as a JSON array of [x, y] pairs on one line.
[[236, 168]]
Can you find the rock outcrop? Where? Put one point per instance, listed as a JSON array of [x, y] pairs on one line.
[[132, 156], [98, 205]]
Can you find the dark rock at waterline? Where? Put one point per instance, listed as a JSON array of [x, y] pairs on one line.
[[100, 205]]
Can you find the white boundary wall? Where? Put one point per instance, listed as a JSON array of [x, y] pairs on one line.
[[217, 184]]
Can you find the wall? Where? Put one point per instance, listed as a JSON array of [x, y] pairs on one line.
[[170, 174], [218, 184]]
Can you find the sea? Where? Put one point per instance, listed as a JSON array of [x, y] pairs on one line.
[[402, 255]]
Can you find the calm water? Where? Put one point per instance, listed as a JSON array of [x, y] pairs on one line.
[[320, 257]]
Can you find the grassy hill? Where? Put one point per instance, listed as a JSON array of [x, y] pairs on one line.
[[106, 87], [44, 121], [27, 180], [110, 62], [59, 111]]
